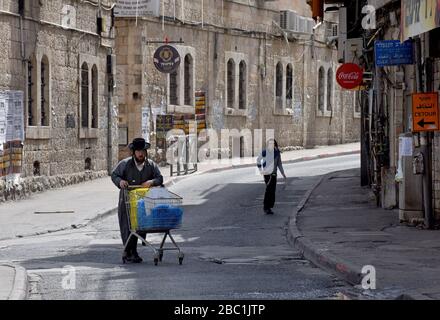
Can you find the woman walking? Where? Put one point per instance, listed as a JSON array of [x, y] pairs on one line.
[[269, 161]]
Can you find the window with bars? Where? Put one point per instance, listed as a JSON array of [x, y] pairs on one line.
[[231, 83], [329, 89], [44, 85], [289, 85], [174, 88], [94, 97], [31, 86], [321, 89], [188, 79], [279, 85], [84, 95], [242, 85]]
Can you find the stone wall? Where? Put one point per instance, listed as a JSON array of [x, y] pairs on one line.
[[58, 148], [31, 185], [232, 30]]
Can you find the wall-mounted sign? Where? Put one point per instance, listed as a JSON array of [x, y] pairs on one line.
[[419, 16], [166, 59], [349, 76], [425, 112], [393, 53], [137, 8]]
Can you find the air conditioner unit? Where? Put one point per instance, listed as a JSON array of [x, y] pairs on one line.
[[310, 25], [288, 20], [302, 24]]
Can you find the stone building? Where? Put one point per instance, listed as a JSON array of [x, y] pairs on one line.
[[392, 104], [255, 73], [57, 52]]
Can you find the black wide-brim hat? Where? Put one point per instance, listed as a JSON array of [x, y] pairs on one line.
[[139, 144]]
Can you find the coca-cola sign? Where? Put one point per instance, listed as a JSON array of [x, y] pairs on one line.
[[349, 76]]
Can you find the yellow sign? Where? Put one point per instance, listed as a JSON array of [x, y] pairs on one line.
[[419, 16], [425, 112]]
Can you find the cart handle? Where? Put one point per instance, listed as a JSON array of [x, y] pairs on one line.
[[132, 187]]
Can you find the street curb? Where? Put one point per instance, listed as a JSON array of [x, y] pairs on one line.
[[326, 260], [248, 165], [311, 252], [19, 289]]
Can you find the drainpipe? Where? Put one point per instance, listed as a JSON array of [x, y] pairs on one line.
[[24, 66], [110, 85]]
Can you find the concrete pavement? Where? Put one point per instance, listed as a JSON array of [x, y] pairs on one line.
[[13, 282], [76, 206], [338, 227]]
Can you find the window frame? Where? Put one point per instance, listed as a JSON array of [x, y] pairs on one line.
[[35, 130], [88, 132], [182, 107], [237, 58], [286, 110], [325, 112]]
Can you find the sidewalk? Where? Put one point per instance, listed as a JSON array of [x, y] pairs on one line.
[[13, 282], [339, 228]]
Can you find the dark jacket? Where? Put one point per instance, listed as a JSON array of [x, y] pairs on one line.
[[127, 170]]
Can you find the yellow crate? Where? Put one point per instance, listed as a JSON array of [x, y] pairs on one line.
[[133, 197]]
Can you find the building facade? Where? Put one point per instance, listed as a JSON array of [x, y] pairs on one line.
[[400, 159], [254, 73], [58, 53]]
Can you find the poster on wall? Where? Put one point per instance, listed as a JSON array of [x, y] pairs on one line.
[[146, 127], [419, 16], [137, 8], [11, 134], [164, 123], [200, 119]]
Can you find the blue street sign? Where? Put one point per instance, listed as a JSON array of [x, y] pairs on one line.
[[393, 53]]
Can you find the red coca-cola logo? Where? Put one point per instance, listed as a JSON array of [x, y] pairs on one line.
[[349, 76]]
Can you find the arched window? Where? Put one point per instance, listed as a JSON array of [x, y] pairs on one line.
[[174, 88], [329, 89], [289, 85], [37, 171], [44, 86], [32, 92], [321, 89], [188, 78], [94, 97], [231, 83], [84, 95], [242, 85], [279, 85], [88, 164]]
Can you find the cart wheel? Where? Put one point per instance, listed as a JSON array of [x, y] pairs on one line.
[[180, 260], [156, 261], [160, 256]]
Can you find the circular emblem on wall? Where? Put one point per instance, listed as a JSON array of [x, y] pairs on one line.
[[349, 76], [166, 59]]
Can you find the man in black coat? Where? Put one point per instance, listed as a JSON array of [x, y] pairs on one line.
[[135, 170]]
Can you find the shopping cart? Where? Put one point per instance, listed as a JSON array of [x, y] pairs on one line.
[[154, 210]]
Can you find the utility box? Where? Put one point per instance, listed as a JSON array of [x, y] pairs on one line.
[[410, 187]]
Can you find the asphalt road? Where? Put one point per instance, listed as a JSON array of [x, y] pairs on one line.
[[232, 249]]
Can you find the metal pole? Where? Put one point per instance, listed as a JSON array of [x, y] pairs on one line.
[[425, 147]]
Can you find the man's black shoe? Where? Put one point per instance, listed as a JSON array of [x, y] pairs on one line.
[[137, 258]]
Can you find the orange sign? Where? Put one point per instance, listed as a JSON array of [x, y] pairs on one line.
[[425, 112]]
